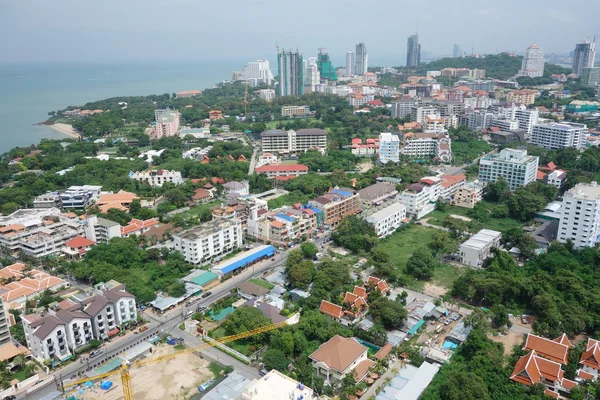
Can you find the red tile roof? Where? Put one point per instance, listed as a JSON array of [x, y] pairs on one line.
[[451, 180], [591, 357], [333, 310], [563, 339], [540, 175], [550, 393], [79, 242], [584, 375], [547, 348], [282, 168], [379, 284]]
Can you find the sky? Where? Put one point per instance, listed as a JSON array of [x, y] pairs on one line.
[[172, 30]]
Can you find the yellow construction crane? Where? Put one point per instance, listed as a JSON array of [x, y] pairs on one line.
[[246, 101], [124, 371]]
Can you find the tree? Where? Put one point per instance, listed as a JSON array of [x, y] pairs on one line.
[[275, 359], [283, 341], [421, 264], [443, 243], [293, 257], [245, 319], [440, 204], [355, 234], [523, 204], [388, 313], [463, 385], [309, 250], [500, 316], [494, 191], [301, 275]]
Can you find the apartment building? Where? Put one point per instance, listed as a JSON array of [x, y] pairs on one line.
[[386, 218], [468, 195], [527, 117], [523, 96], [418, 113], [360, 99], [580, 215], [4, 326], [285, 225], [211, 240], [101, 230], [46, 337], [505, 124], [451, 184], [450, 107], [123, 304], [420, 198], [240, 208], [296, 111], [389, 148], [367, 149], [80, 197], [48, 200], [157, 177], [266, 94], [402, 108], [478, 247], [427, 144], [559, 135], [283, 171], [515, 166], [477, 120], [237, 189], [167, 124], [377, 194], [278, 141], [337, 204]]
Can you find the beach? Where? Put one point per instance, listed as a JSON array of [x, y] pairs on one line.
[[65, 129]]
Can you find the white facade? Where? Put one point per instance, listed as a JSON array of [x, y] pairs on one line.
[[527, 118], [157, 178], [357, 100], [385, 220], [515, 166], [4, 328], [312, 76], [46, 337], [418, 113], [478, 247], [295, 111], [267, 94], [101, 230], [237, 189], [259, 71], [278, 141], [389, 148], [402, 108], [559, 135], [533, 62], [556, 178], [361, 65], [505, 124], [210, 240], [580, 219], [420, 198], [350, 63]]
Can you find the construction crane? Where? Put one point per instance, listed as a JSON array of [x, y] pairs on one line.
[[124, 370], [278, 44], [321, 49], [246, 101]]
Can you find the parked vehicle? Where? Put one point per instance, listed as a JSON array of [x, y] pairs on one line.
[[200, 308], [142, 328], [95, 353], [205, 295]]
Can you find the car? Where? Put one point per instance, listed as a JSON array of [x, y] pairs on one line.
[[10, 398], [200, 308], [142, 329], [95, 353], [205, 295]]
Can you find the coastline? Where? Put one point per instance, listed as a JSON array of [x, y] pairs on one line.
[[66, 130]]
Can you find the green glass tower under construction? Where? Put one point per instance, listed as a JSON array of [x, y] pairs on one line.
[[326, 68], [291, 73]]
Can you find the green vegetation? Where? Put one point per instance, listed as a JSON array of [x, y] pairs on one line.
[[262, 283], [342, 160], [355, 234], [218, 369], [485, 215]]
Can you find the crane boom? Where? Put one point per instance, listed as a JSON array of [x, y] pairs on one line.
[[126, 376]]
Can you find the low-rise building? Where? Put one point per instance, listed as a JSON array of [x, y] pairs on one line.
[[478, 247], [46, 337], [556, 178], [285, 225], [518, 168], [277, 386], [266, 159], [377, 194], [278, 141], [367, 149], [22, 284], [386, 218], [337, 204], [157, 177], [101, 230], [523, 96], [451, 184], [78, 246], [296, 111], [48, 200], [286, 171], [210, 240], [138, 226], [468, 195], [237, 189], [120, 200], [340, 356], [420, 198], [506, 137]]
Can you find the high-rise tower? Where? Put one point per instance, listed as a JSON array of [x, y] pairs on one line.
[[584, 56], [350, 63], [533, 62], [362, 63], [291, 73], [413, 51]]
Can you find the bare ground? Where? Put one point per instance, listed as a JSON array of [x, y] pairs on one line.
[[509, 340], [433, 290]]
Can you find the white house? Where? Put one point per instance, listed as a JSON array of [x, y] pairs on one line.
[[340, 356]]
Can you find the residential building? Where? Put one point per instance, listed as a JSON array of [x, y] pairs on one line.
[[359, 99], [202, 196], [326, 68], [48, 200], [389, 148], [78, 328], [527, 117], [505, 124], [584, 57], [23, 284], [427, 144], [478, 247], [157, 177], [256, 71], [533, 62], [80, 197], [277, 386], [266, 159], [515, 166], [413, 51], [4, 325], [386, 218], [556, 178], [468, 195], [240, 208], [278, 141], [266, 94], [340, 356], [311, 75], [418, 113], [506, 137], [377, 194], [102, 314], [46, 337], [197, 133], [197, 153], [451, 184], [78, 246], [420, 198], [456, 51], [291, 73], [477, 120], [285, 225], [296, 111], [367, 149], [137, 227], [580, 215], [523, 96], [350, 63], [101, 230], [283, 171], [123, 303], [237, 189], [337, 204], [402, 108], [167, 124], [361, 66], [559, 135], [211, 240], [590, 76], [120, 200]]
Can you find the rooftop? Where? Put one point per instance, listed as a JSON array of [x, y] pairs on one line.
[[338, 352], [377, 190], [207, 229], [589, 191], [277, 386]]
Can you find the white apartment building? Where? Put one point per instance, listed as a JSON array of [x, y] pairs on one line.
[[478, 247], [357, 100], [418, 113], [434, 124], [420, 198], [167, 124], [341, 91], [78, 326], [580, 215], [556, 178], [101, 230], [477, 120], [427, 144], [387, 218], [295, 111], [278, 141], [266, 94], [402, 108], [389, 148], [259, 71], [505, 124], [559, 135], [157, 177], [312, 77], [80, 197], [526, 117], [124, 305], [515, 166], [46, 337], [533, 62], [4, 328], [282, 226], [210, 240]]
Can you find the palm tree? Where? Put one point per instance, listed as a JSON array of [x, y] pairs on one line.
[[20, 360], [30, 369]]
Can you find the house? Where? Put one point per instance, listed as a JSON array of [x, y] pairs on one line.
[[120, 200], [138, 227], [249, 290], [589, 363], [123, 303], [380, 284], [333, 310], [46, 337], [236, 189], [555, 350], [215, 115], [201, 196], [78, 246], [340, 356]]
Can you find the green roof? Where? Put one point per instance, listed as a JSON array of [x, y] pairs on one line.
[[109, 366], [205, 278], [415, 328]]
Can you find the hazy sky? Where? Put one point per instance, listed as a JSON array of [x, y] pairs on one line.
[[127, 30]]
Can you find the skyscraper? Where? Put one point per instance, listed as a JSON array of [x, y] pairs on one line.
[[291, 73], [456, 51], [259, 70], [533, 62], [413, 51], [584, 56], [311, 74], [362, 63], [350, 63], [326, 68]]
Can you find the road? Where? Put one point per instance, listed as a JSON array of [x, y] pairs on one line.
[[167, 323]]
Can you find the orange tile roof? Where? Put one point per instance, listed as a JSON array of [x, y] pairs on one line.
[[121, 196], [451, 180], [584, 375], [13, 271], [137, 225], [547, 348], [362, 369], [552, 394], [591, 357], [384, 351], [568, 384], [277, 224], [105, 207], [338, 352], [379, 283], [360, 291], [79, 242], [539, 175], [333, 310], [563, 339], [526, 370]]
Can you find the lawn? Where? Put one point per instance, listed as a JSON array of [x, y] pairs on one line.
[[238, 345], [265, 284], [196, 210], [496, 224]]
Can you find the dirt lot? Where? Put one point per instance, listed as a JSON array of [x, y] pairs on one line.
[[161, 380], [509, 340], [434, 290]]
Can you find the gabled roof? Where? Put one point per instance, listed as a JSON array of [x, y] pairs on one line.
[[79, 242], [93, 305], [552, 394], [68, 316], [547, 348], [333, 310], [338, 353], [359, 291], [591, 356], [526, 370], [379, 284], [45, 326], [563, 339], [252, 288], [115, 294]]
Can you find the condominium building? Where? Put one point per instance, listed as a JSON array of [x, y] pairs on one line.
[[533, 62], [48, 200], [477, 120], [295, 111], [291, 73], [523, 96], [80, 197], [583, 57], [350, 63], [211, 240], [418, 113], [389, 148], [386, 218], [402, 108], [580, 215], [413, 51], [590, 76], [478, 247], [451, 184], [337, 204], [505, 124], [278, 141], [312, 78], [257, 71], [527, 117], [427, 144], [157, 177], [167, 124], [46, 337], [515, 166], [361, 65], [285, 225], [283, 171], [359, 99], [4, 327], [420, 198], [266, 94], [101, 230], [559, 135]]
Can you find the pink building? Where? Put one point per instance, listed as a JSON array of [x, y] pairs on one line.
[[166, 125]]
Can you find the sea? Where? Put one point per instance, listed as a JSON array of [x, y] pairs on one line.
[[29, 91]]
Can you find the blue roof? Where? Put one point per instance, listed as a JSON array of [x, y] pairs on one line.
[[234, 264], [286, 217], [342, 193], [415, 328]]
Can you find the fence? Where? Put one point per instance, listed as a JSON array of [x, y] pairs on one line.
[[7, 392], [40, 385], [226, 349], [27, 381]]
